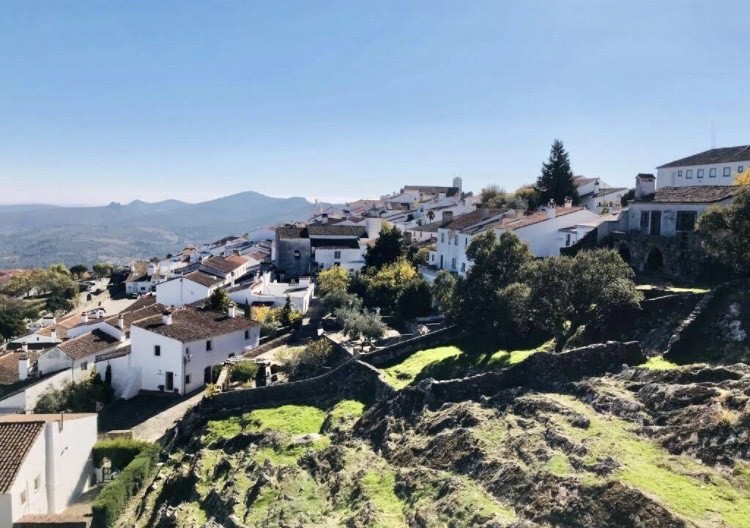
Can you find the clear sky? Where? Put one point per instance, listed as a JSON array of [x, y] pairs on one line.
[[108, 100]]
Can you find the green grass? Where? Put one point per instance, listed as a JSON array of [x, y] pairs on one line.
[[402, 374], [659, 363], [345, 413], [452, 362], [292, 419], [686, 487], [378, 486]]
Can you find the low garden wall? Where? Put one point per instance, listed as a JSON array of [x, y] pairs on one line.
[[268, 345], [353, 379], [400, 351]]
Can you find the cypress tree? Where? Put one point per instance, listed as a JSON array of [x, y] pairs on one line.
[[556, 181]]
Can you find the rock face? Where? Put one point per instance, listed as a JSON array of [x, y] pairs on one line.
[[576, 440]]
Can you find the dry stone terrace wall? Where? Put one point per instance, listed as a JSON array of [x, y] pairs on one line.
[[353, 379], [400, 351]]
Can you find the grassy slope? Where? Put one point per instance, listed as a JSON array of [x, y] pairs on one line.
[[451, 362]]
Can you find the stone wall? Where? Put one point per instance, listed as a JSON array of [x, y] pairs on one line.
[[544, 370], [268, 345], [353, 379], [400, 351], [681, 255]]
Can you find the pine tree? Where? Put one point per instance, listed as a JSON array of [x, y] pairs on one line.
[[556, 180]]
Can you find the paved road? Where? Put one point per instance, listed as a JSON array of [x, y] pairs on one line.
[[154, 428]]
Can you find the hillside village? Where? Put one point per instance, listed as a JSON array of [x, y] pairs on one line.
[[303, 312]]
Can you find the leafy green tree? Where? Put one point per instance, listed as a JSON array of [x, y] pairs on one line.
[[59, 268], [388, 248], [477, 307], [385, 285], [102, 269], [309, 361], [419, 257], [219, 300], [367, 326], [333, 279], [340, 299], [19, 285], [443, 289], [566, 292], [414, 300], [79, 271], [528, 198], [556, 181], [288, 316], [13, 316], [493, 196], [247, 310], [725, 232]]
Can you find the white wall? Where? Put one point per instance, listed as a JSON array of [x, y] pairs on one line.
[[351, 259], [670, 177], [450, 250], [181, 291], [545, 239], [222, 347], [153, 368], [53, 360], [631, 219], [126, 380], [33, 466], [69, 459]]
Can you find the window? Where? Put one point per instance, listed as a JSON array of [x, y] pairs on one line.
[[463, 267], [37, 482], [337, 254], [187, 379], [296, 253], [689, 174], [453, 263], [679, 174], [466, 241], [644, 222], [209, 346], [700, 173], [686, 221], [456, 239], [727, 171], [84, 365], [432, 257], [567, 239], [442, 238], [247, 335], [740, 168], [712, 173], [157, 350]]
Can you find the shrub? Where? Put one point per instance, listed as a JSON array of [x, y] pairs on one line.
[[120, 452], [244, 371], [309, 360], [75, 397], [115, 496]]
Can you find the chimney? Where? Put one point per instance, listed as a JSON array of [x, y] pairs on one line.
[[551, 213], [324, 217], [485, 213], [568, 202], [24, 364], [85, 317], [166, 318], [100, 313], [447, 216], [232, 311], [25, 346], [121, 322], [645, 186]]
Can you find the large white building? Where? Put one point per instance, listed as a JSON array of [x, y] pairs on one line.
[[597, 196], [45, 464], [719, 166], [264, 291], [175, 351], [193, 287]]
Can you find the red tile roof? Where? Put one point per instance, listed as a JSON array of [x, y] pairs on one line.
[[193, 324], [88, 344], [16, 440]]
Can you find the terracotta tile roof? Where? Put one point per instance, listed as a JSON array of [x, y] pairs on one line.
[[43, 417], [88, 344], [717, 155], [16, 439], [512, 224], [142, 302], [138, 273], [203, 278], [432, 189], [193, 324], [221, 264], [9, 366], [335, 243], [135, 315], [464, 221], [579, 181], [694, 194], [336, 230], [292, 232]]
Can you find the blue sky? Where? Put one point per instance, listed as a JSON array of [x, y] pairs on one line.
[[103, 101]]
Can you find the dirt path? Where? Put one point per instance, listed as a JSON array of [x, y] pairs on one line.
[[154, 428]]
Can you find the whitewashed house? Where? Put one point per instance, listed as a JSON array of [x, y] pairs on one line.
[[668, 211], [45, 464], [222, 246], [597, 196], [143, 277], [719, 166], [78, 355], [264, 291], [193, 287], [175, 351]]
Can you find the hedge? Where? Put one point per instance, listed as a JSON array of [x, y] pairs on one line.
[[244, 371], [115, 496], [120, 451]]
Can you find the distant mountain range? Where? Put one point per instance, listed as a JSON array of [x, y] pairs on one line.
[[39, 235]]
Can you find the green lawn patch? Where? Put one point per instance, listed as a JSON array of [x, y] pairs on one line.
[[659, 363], [402, 374]]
